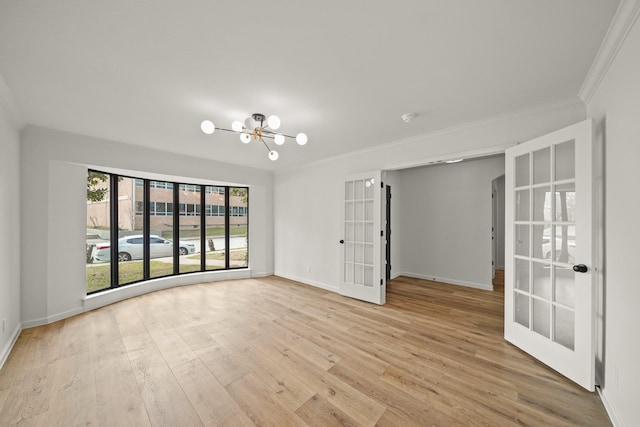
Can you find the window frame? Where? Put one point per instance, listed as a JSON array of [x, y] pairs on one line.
[[184, 209]]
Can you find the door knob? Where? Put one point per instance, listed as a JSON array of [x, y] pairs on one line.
[[580, 268], [341, 241]]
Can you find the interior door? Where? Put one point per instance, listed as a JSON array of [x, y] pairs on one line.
[[549, 277], [361, 271]]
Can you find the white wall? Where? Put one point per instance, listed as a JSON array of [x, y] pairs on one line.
[[9, 232], [53, 177], [615, 106], [445, 214], [307, 200]]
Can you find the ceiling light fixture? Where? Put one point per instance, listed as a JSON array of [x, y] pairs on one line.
[[258, 128], [454, 161]]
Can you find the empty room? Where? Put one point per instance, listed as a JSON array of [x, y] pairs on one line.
[[333, 213]]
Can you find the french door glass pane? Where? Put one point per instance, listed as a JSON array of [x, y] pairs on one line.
[[522, 309], [359, 187], [541, 317], [542, 204], [566, 202], [348, 211], [522, 240], [368, 275], [564, 327], [541, 236], [565, 286], [542, 166], [522, 170], [565, 164], [368, 210], [541, 279], [522, 205], [522, 275], [348, 190]]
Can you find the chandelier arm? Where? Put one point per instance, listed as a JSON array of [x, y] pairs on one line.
[[272, 133], [265, 144]]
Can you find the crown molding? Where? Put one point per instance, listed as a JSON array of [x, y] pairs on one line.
[[8, 103], [621, 24]]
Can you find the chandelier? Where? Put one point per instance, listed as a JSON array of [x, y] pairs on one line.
[[257, 128]]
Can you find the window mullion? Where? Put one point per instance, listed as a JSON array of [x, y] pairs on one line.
[[146, 231], [113, 230]]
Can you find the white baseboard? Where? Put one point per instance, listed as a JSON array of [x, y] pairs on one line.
[[609, 408], [262, 274], [7, 348], [320, 285], [486, 287], [111, 296]]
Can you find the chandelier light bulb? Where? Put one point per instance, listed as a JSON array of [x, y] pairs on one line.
[[273, 122], [207, 127], [273, 155], [245, 138], [278, 139], [250, 124], [236, 126], [301, 138]]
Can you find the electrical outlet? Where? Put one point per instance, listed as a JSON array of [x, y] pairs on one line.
[[308, 269]]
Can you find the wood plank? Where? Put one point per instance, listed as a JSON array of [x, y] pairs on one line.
[[261, 404], [164, 399], [209, 398]]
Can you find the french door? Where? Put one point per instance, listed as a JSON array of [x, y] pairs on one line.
[[361, 269], [549, 277]]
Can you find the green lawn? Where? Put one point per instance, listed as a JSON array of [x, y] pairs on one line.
[[235, 255], [98, 277]]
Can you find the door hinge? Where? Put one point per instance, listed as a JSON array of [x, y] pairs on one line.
[[380, 282], [381, 184], [381, 233]]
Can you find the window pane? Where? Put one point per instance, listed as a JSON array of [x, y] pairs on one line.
[[238, 229], [522, 275], [130, 248], [522, 205], [522, 240], [521, 309], [161, 226], [522, 170], [542, 166], [565, 160], [189, 242], [542, 204], [215, 249], [564, 327], [98, 232], [541, 317]]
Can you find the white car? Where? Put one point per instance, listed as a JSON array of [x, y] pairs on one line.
[[130, 247]]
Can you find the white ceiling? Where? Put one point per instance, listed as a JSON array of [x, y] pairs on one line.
[[148, 72]]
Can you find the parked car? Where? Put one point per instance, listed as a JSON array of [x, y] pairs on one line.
[[130, 247]]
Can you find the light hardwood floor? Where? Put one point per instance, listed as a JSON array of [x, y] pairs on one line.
[[276, 353]]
